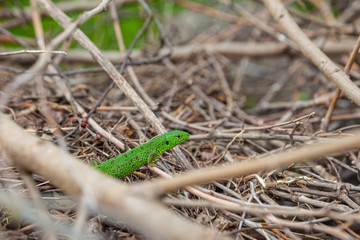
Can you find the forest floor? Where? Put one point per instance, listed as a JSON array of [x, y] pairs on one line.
[[239, 84]]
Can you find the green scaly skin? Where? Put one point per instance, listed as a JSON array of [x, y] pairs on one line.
[[147, 153]]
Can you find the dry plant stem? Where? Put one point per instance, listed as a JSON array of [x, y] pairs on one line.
[[85, 6], [121, 45], [283, 159], [224, 84], [44, 108], [258, 227], [240, 75], [37, 25], [148, 217], [260, 209], [325, 122], [346, 227], [121, 82], [347, 68], [316, 20], [158, 24], [263, 26], [45, 57], [24, 210], [309, 49], [235, 19], [136, 127], [279, 84], [186, 51], [72, 26], [230, 49], [126, 63], [337, 232], [87, 198], [67, 93], [64, 6], [305, 117], [208, 11], [312, 202], [41, 211], [28, 51], [196, 192], [237, 205], [251, 135], [25, 77], [123, 65], [325, 10], [295, 105], [183, 123], [16, 39]]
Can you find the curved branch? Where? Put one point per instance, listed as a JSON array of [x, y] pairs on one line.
[[311, 51]]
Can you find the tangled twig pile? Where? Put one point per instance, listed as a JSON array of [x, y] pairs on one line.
[[272, 154]]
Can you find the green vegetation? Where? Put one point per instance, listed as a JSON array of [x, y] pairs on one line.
[[99, 28]]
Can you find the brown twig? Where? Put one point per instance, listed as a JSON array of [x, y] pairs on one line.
[[349, 63], [308, 48]]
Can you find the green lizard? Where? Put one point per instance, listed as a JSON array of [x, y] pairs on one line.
[[147, 153]]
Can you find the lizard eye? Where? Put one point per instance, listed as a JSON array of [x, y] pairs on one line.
[[178, 136], [167, 142]]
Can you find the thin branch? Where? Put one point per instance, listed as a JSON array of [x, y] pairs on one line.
[[27, 51], [337, 94]]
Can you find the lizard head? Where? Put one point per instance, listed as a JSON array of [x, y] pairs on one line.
[[173, 138]]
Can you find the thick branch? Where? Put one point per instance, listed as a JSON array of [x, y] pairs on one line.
[[141, 213], [281, 160], [311, 51]]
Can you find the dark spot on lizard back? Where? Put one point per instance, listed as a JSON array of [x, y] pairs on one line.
[[167, 142]]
